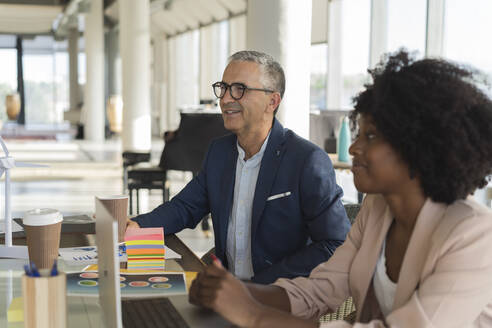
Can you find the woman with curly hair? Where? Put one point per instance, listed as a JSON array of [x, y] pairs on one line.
[[419, 252]]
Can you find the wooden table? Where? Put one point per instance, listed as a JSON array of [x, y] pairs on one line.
[[339, 165], [73, 237], [344, 166], [85, 312], [189, 261]]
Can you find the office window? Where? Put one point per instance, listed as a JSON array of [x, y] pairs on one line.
[[407, 25], [61, 85], [467, 33], [81, 75], [38, 88], [223, 44], [355, 48], [319, 57], [45, 64], [237, 34], [187, 70], [8, 77], [214, 47]]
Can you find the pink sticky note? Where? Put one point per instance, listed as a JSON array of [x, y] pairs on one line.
[[145, 234]]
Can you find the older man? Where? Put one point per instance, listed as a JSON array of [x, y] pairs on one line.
[[275, 205]]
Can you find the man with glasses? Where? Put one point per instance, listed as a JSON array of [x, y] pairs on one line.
[[275, 205]]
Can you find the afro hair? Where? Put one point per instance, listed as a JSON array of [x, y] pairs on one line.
[[436, 117]]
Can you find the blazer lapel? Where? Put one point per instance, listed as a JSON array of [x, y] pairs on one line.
[[375, 235], [418, 247], [268, 171], [227, 193]]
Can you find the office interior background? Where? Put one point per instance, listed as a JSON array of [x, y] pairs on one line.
[[95, 78]]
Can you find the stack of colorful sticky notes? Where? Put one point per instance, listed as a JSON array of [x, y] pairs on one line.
[[145, 248]]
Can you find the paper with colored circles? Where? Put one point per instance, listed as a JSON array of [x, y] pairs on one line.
[[143, 284]]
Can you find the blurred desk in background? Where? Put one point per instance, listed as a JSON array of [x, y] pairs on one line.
[[345, 179], [61, 131], [339, 165]]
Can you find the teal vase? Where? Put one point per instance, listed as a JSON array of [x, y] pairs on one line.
[[344, 141]]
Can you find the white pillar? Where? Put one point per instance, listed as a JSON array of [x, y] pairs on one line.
[[94, 87], [135, 59], [379, 31], [73, 66], [173, 117], [160, 80], [335, 58], [282, 28], [435, 28], [114, 63]]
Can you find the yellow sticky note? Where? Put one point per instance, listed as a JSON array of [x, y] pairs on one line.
[[15, 313], [90, 267], [190, 276]]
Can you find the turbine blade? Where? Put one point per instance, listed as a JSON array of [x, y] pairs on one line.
[[23, 164]]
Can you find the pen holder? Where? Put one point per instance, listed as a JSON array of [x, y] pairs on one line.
[[45, 301]]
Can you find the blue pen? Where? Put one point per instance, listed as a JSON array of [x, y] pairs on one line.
[[54, 269], [122, 248], [34, 270], [28, 271]]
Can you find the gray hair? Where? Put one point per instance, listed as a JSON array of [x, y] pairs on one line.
[[273, 74]]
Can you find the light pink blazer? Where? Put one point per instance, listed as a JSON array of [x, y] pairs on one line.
[[445, 278]]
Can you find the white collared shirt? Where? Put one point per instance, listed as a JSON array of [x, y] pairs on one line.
[[238, 249]]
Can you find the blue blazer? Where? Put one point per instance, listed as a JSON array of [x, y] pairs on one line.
[[289, 235]]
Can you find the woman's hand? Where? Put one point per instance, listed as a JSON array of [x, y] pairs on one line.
[[219, 290]]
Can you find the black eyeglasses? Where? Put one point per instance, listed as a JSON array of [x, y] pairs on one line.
[[236, 90]]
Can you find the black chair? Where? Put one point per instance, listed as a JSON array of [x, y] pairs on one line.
[[185, 151], [346, 311], [352, 211], [132, 158]]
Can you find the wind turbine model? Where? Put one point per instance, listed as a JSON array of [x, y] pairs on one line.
[[6, 163]]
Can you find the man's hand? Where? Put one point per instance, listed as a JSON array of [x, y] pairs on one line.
[[131, 224], [219, 290]]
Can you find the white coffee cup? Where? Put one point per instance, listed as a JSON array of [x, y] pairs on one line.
[[42, 216]]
